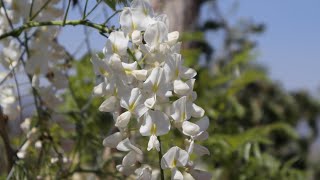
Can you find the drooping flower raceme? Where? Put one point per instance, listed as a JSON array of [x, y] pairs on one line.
[[147, 88], [40, 56]]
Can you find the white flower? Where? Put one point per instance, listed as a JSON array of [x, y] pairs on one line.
[[10, 54], [136, 37], [197, 131], [174, 158], [8, 102], [131, 158], [134, 105], [137, 17], [113, 140], [180, 112], [155, 123], [144, 173], [23, 150], [175, 70], [155, 86], [109, 105], [197, 173], [155, 34], [117, 43]]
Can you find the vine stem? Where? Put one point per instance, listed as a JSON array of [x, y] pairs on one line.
[[17, 31], [160, 156]]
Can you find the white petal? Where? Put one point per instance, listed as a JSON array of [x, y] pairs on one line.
[[197, 111], [136, 37], [176, 174], [144, 174], [188, 73], [126, 20], [99, 66], [198, 174], [150, 102], [99, 89], [123, 120], [200, 150], [140, 75], [112, 140], [163, 18], [181, 88], [35, 80], [190, 129], [153, 143], [203, 123], [108, 105], [168, 158], [161, 121], [145, 128], [173, 37], [182, 157], [174, 157], [126, 170], [155, 34], [203, 135], [143, 6], [129, 159], [155, 123], [125, 145], [130, 66], [179, 110], [140, 110], [119, 42]]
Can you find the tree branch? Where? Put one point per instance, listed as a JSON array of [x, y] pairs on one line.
[[17, 31], [4, 135]]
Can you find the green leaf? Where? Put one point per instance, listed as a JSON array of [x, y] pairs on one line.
[[256, 134]]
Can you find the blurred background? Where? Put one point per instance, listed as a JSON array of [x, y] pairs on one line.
[[258, 80], [288, 48]]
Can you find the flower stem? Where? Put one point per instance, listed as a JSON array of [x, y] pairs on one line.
[[160, 156]]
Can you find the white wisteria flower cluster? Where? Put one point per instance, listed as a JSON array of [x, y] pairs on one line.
[[42, 59], [147, 87], [45, 58]]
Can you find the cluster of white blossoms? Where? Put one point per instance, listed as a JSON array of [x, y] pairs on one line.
[[42, 59], [18, 10], [45, 57], [147, 87], [8, 101]]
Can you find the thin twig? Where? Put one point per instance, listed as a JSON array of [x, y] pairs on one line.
[[42, 7], [66, 13], [93, 8], [17, 31], [18, 92], [110, 17], [6, 13], [86, 34], [85, 10], [31, 8]]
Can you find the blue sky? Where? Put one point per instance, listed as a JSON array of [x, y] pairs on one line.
[[290, 47]]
